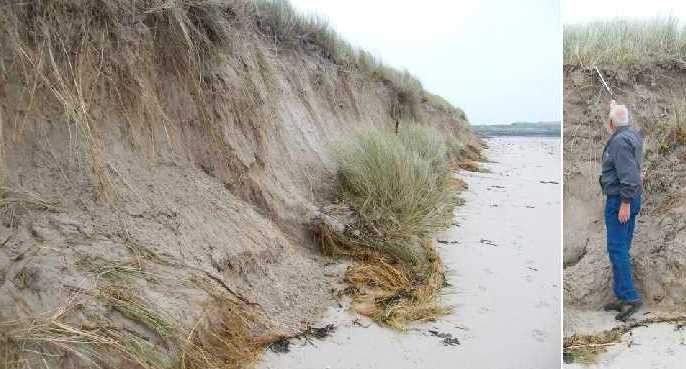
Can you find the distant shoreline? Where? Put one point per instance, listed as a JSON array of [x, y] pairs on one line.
[[495, 135], [524, 129]]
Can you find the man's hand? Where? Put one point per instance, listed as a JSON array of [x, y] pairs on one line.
[[624, 212]]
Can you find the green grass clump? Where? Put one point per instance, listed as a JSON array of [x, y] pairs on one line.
[[399, 185], [624, 41]]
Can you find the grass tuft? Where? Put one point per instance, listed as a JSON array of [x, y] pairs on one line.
[[398, 185], [221, 338], [397, 192], [624, 41]]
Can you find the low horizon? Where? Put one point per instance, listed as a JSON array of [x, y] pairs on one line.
[[515, 121]]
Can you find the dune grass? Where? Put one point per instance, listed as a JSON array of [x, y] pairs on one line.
[[401, 192], [624, 41], [397, 184]]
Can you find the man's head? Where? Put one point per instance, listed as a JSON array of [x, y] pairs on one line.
[[619, 116]]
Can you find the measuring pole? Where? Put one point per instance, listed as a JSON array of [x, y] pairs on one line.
[[609, 90]]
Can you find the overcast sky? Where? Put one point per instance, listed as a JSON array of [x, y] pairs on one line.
[[500, 61], [578, 11]]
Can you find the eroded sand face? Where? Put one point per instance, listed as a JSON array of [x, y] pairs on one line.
[[504, 266]]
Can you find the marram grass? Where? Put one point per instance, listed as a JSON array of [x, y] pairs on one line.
[[399, 184], [401, 191], [624, 41]]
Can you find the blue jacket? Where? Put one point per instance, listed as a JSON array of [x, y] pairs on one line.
[[621, 169]]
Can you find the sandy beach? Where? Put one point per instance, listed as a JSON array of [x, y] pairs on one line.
[[503, 260]]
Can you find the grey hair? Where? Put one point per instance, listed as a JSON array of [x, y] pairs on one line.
[[619, 115]]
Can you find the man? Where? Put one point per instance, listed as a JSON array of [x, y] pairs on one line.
[[621, 183]]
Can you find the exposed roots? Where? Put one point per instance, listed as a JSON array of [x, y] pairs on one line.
[[385, 287]]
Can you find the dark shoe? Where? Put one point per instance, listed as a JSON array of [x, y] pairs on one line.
[[614, 306], [629, 309]]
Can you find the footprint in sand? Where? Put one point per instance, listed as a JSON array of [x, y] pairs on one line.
[[538, 334], [542, 304], [529, 278]]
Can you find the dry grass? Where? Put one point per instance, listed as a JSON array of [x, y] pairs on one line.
[[10, 198], [45, 339], [112, 270], [468, 165], [223, 341], [624, 41], [392, 293], [671, 132], [221, 338], [125, 301], [13, 202], [666, 136], [585, 349]]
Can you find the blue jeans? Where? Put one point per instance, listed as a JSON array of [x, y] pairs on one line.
[[619, 237]]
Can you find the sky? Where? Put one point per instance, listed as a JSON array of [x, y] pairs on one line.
[[579, 11], [499, 61]]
